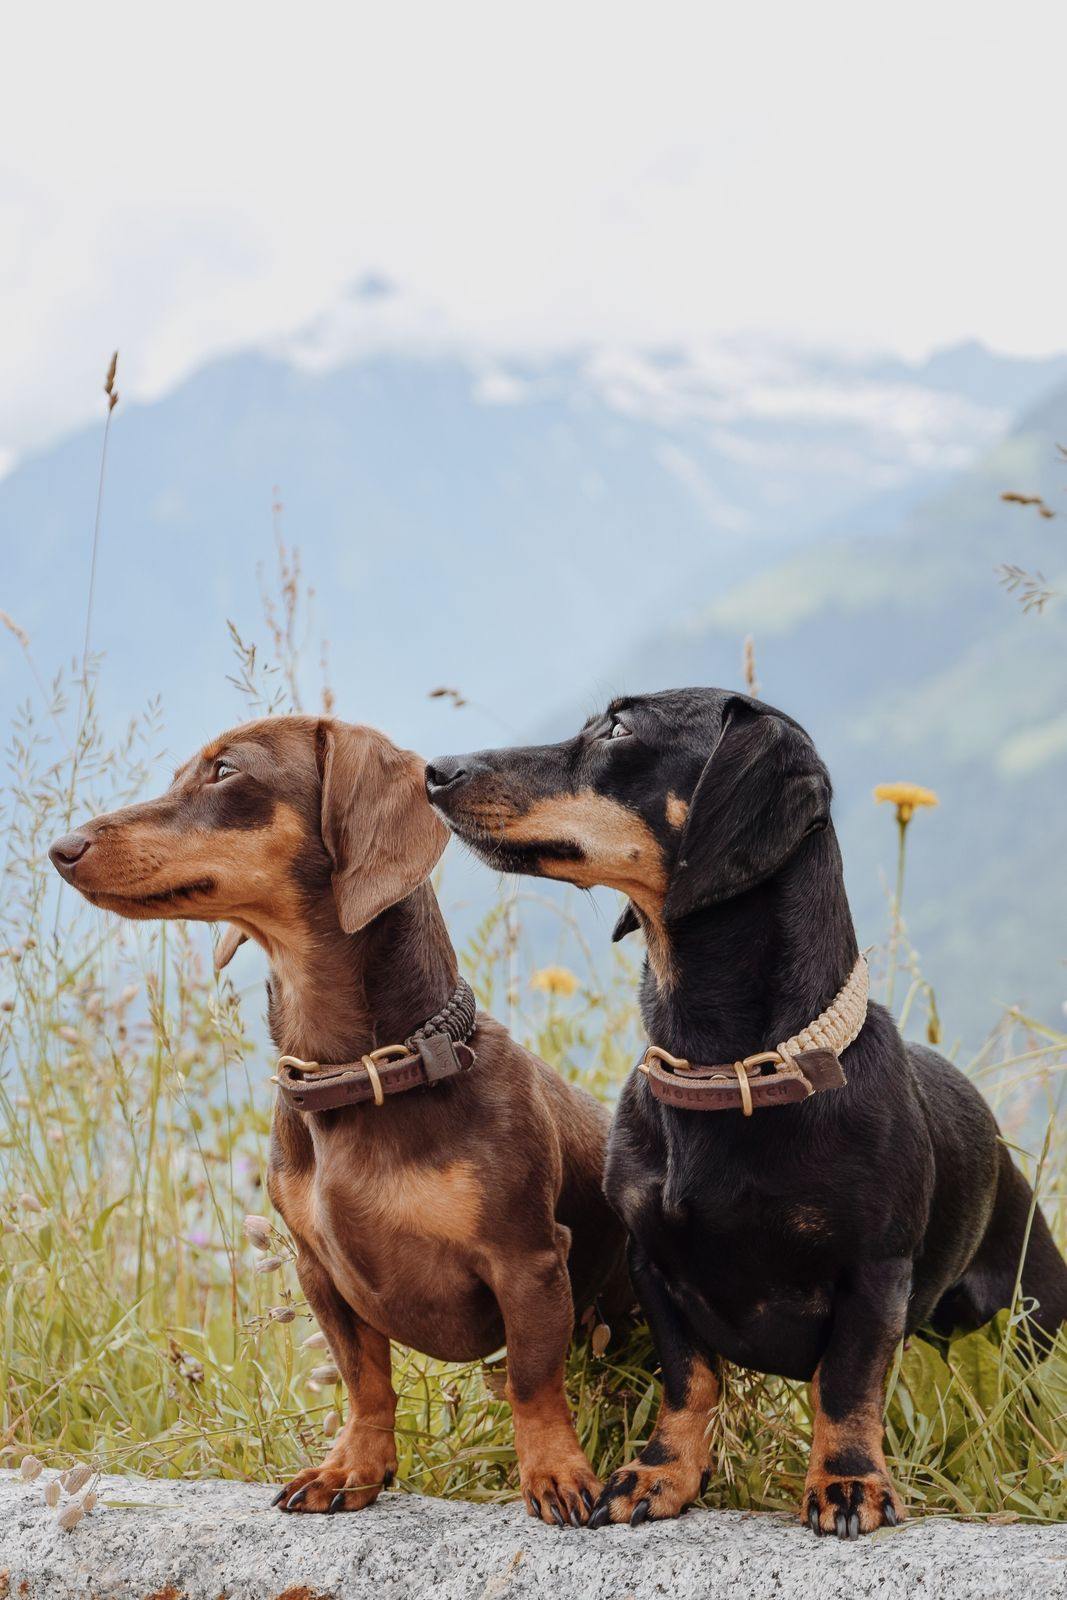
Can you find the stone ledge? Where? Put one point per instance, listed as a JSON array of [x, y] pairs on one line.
[[216, 1540]]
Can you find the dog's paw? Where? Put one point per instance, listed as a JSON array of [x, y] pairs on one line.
[[346, 1481], [641, 1492], [848, 1506], [562, 1493]]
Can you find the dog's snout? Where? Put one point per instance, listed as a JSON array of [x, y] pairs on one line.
[[68, 851], [446, 773]]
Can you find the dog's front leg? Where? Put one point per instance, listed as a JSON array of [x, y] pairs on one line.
[[671, 1471], [848, 1490], [362, 1461], [534, 1295]]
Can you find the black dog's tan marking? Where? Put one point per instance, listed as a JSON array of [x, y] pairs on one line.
[[807, 1239], [452, 1219]]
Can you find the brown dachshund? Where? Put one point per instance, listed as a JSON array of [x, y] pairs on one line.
[[453, 1218]]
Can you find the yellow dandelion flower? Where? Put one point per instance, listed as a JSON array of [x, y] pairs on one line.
[[554, 980], [907, 797]]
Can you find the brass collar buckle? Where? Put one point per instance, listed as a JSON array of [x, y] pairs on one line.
[[369, 1063]]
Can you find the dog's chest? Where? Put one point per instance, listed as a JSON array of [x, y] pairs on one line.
[[371, 1219], [355, 1197]]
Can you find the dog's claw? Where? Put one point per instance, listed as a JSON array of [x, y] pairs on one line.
[[599, 1517], [854, 1525], [813, 1520], [889, 1513], [337, 1502], [705, 1479], [536, 1504], [387, 1481], [840, 1525], [280, 1496], [588, 1498], [557, 1515], [640, 1513], [297, 1499]]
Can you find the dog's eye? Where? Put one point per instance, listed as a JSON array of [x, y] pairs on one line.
[[222, 770], [619, 730]]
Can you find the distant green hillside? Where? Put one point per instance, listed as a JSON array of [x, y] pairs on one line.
[[906, 660]]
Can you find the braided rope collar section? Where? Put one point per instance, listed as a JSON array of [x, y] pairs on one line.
[[798, 1067], [435, 1051]]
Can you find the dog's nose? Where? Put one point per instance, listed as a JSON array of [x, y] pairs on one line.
[[445, 773], [68, 851]]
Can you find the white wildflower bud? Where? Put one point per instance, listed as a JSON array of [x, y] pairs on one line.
[[77, 1477], [30, 1202], [314, 1341], [601, 1338], [68, 1035], [89, 1501], [330, 1423], [30, 1468], [269, 1264], [258, 1232], [129, 993], [282, 1314], [70, 1516], [326, 1374], [52, 1492]]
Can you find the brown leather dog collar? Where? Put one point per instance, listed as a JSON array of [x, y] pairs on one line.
[[435, 1052], [797, 1068]]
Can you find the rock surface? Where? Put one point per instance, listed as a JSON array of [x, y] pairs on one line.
[[160, 1540]]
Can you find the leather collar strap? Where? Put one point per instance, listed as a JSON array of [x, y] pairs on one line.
[[801, 1066], [436, 1051]]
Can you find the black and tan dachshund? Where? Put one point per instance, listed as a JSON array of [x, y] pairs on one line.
[[808, 1238]]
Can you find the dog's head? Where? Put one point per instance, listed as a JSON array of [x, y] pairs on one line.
[[679, 799], [266, 824]]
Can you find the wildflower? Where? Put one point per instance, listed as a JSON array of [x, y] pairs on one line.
[[51, 1493], [30, 1202], [554, 980], [282, 1314], [907, 797], [314, 1341], [330, 1423], [325, 1374], [258, 1231], [68, 1035], [30, 1468], [270, 1264], [70, 1516], [89, 1500]]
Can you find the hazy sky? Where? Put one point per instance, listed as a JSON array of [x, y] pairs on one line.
[[180, 180]]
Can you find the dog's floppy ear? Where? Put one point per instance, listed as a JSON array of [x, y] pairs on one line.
[[379, 829], [762, 790]]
